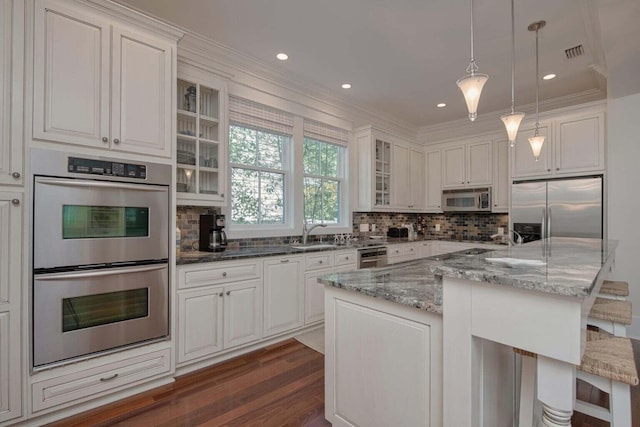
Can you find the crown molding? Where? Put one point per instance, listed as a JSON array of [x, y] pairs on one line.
[[490, 122], [247, 71], [135, 17]]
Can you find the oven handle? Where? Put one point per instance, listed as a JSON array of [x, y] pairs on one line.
[[98, 273], [98, 184]]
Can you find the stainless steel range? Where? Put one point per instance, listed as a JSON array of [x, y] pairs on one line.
[[100, 255]]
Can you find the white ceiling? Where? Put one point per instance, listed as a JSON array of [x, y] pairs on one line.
[[404, 56]]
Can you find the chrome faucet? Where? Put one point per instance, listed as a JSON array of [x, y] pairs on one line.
[[518, 240], [307, 230]]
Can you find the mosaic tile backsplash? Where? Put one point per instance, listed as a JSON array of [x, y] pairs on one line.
[[478, 227]]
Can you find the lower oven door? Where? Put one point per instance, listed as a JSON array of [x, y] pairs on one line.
[[76, 314]]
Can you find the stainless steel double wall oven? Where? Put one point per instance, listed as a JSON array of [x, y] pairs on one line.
[[100, 255]]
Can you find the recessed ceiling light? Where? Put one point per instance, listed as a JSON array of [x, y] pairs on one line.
[[441, 105], [549, 77], [346, 85], [282, 56]]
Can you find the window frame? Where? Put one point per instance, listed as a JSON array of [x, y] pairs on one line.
[[237, 230]]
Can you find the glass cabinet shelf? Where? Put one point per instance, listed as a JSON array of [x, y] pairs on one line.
[[200, 132]]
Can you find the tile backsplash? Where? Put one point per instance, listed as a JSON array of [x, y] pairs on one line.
[[466, 226]]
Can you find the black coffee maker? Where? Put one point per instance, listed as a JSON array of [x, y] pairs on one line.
[[212, 235]]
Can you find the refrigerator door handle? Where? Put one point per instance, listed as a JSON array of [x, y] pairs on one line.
[[543, 222], [549, 221]]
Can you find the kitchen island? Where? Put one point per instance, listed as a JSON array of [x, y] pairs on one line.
[[380, 331]]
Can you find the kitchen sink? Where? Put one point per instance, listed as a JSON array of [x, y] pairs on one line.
[[476, 251], [313, 246]]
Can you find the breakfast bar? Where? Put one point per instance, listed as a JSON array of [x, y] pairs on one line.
[[440, 313]]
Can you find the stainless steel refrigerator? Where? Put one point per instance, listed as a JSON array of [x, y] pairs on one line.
[[569, 207]]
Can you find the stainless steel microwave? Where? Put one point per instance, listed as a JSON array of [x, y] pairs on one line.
[[467, 200]]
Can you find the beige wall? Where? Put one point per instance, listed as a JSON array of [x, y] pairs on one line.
[[623, 169]]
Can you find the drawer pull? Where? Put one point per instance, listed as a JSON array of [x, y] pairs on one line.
[[224, 274], [347, 258], [221, 294], [284, 260], [112, 377], [16, 175], [228, 292]]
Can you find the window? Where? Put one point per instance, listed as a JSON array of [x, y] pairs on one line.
[[323, 175], [257, 176], [259, 147], [324, 166]]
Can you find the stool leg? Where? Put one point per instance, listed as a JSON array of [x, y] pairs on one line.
[[620, 404], [527, 386]]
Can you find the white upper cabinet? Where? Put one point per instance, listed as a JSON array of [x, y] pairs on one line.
[[501, 184], [522, 160], [391, 172], [574, 145], [579, 144], [11, 90], [467, 164], [100, 84], [434, 180]]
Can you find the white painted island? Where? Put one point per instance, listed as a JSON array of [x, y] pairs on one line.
[[404, 348]]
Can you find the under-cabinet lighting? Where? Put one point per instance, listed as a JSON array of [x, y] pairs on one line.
[[282, 56], [346, 85], [549, 77], [441, 105]]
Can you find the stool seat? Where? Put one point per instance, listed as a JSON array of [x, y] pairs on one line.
[[609, 357], [616, 311], [617, 288]]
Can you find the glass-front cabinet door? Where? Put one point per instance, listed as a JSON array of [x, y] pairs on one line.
[[201, 138], [383, 173]]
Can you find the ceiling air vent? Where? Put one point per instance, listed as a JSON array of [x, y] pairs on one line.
[[574, 52]]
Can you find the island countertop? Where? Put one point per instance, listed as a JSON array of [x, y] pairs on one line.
[[571, 267]]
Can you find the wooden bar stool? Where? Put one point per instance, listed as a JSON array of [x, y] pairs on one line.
[[614, 290], [611, 315], [608, 364]]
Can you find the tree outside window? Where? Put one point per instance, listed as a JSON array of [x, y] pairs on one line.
[[258, 170], [323, 176]]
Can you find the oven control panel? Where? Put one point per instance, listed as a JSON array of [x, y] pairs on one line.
[[106, 168]]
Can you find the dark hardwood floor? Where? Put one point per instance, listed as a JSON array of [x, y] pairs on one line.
[[281, 385]]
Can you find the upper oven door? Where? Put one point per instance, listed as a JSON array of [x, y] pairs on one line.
[[81, 222]]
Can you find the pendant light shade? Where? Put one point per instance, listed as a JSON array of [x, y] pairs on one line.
[[512, 124], [537, 140], [512, 121], [471, 85]]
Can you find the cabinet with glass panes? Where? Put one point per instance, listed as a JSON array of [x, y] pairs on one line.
[[201, 138], [383, 173]]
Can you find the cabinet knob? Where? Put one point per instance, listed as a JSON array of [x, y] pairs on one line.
[[495, 205], [468, 182], [224, 274], [557, 169], [220, 294], [228, 292], [16, 175], [15, 201], [221, 194], [320, 262], [116, 141], [105, 139], [548, 170], [461, 182], [346, 257]]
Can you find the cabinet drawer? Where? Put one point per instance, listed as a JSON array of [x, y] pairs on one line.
[[345, 258], [223, 273], [409, 250], [318, 260], [91, 383], [394, 251]]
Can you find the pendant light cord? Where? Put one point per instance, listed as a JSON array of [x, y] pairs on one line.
[[513, 59], [472, 68], [537, 87]]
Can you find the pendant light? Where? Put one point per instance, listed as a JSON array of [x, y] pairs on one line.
[[512, 121], [537, 140], [471, 85]]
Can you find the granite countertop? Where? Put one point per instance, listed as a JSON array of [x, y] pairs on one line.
[[194, 257], [571, 268]]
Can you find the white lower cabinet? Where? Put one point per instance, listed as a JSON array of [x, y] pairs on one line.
[[217, 317], [402, 252], [10, 386], [91, 383], [283, 294], [314, 296], [425, 249]]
